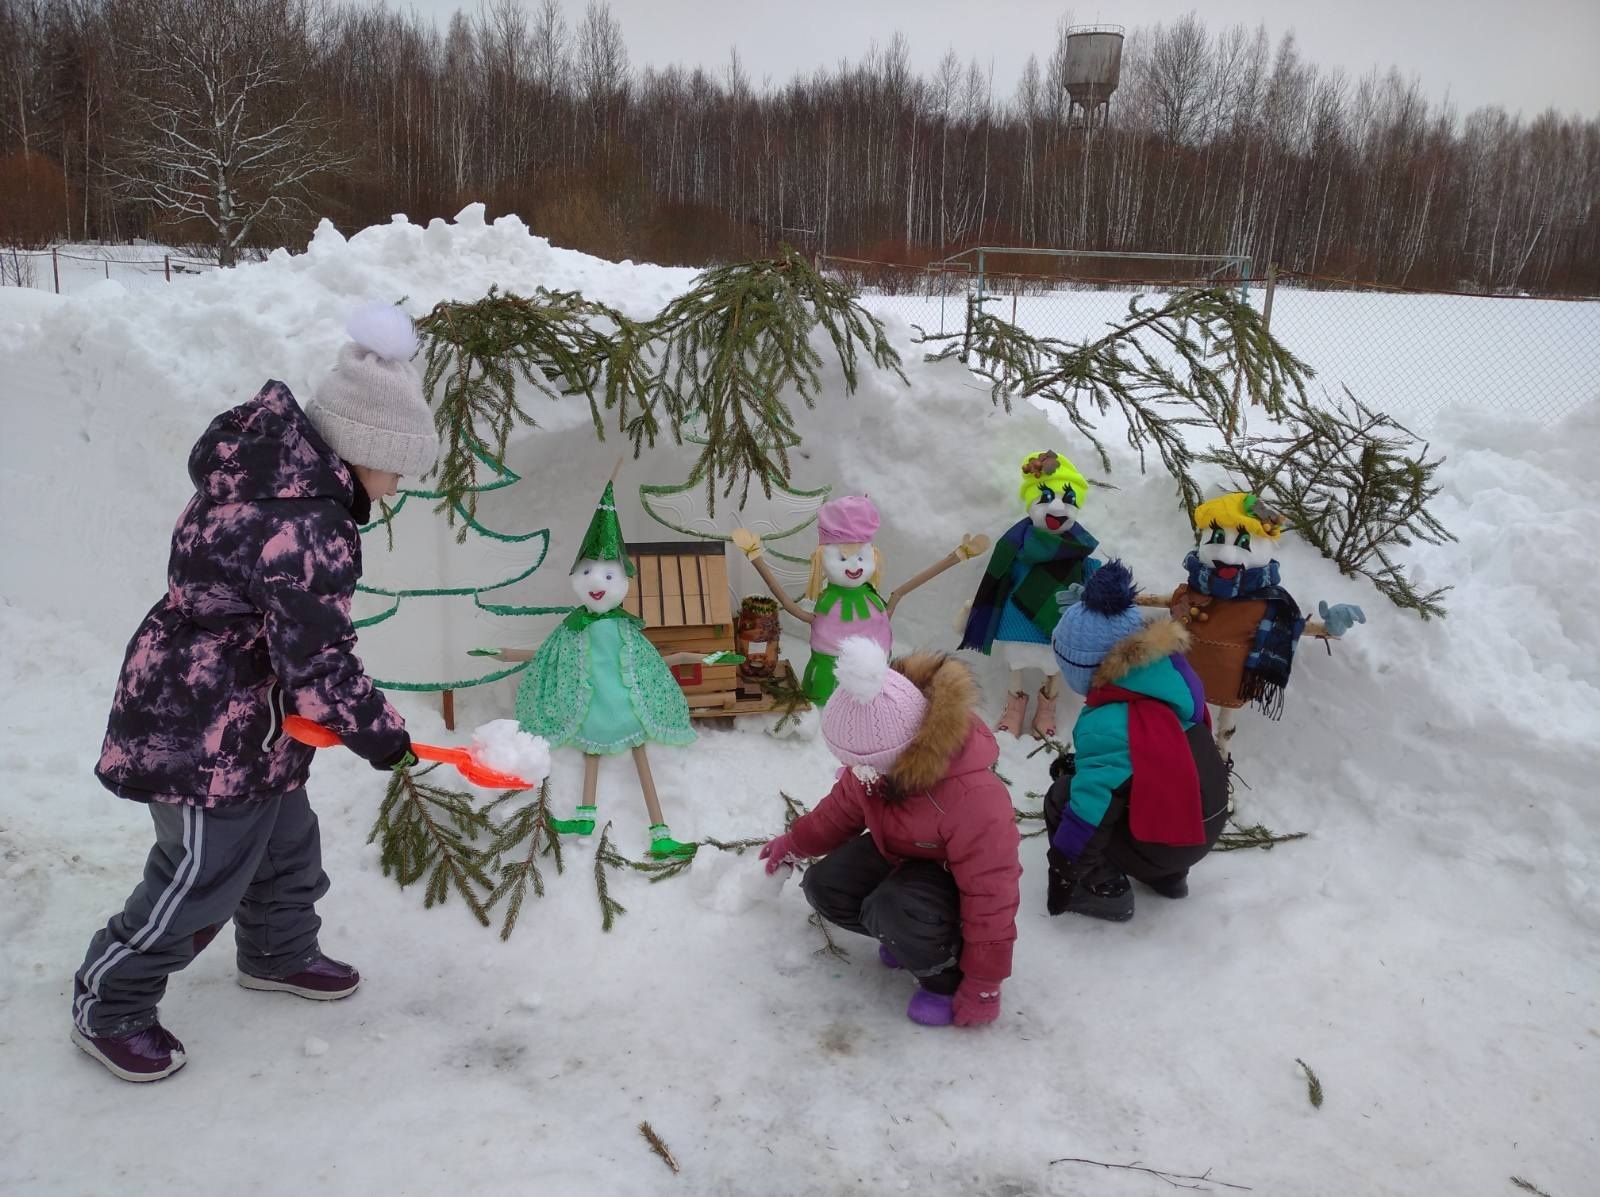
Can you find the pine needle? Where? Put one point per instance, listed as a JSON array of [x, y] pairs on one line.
[[657, 1146], [1528, 1186]]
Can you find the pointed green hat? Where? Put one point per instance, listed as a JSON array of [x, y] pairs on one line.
[[603, 540]]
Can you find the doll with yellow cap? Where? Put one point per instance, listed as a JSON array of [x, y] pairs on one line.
[[1243, 625], [1017, 606], [843, 590]]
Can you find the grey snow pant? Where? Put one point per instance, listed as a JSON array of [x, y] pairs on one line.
[[913, 908], [259, 863]]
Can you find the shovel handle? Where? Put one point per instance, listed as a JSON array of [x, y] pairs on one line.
[[297, 727]]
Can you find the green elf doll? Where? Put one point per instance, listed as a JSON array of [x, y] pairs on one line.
[[598, 685]]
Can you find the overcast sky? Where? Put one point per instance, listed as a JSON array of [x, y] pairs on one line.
[[1525, 55]]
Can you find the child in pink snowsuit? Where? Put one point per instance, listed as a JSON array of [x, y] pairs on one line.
[[918, 837]]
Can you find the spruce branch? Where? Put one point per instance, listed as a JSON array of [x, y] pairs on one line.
[[1355, 483], [530, 825], [609, 906], [1159, 375], [425, 834], [658, 1146], [1313, 1085], [1254, 836], [730, 346], [558, 342]]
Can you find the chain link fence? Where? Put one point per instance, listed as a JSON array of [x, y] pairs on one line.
[[67, 269], [1412, 354]]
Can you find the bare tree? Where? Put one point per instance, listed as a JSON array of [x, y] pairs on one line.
[[217, 129]]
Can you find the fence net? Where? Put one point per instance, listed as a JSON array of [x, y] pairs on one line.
[[1409, 353], [70, 269]]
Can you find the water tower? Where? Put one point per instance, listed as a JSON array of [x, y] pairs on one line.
[[1094, 67]]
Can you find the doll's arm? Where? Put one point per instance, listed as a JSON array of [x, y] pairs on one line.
[[969, 548], [1336, 620], [503, 654], [748, 543]]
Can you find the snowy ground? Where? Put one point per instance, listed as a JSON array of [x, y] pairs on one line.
[[1431, 950]]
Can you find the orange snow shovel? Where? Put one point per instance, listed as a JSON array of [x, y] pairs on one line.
[[297, 727]]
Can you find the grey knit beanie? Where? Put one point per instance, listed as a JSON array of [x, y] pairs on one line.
[[370, 410]]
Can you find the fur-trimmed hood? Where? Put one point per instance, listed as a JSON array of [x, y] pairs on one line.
[[948, 740], [1155, 642]]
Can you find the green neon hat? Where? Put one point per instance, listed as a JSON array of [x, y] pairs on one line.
[[603, 540]]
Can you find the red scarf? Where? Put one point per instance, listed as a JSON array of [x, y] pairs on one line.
[[1164, 791]]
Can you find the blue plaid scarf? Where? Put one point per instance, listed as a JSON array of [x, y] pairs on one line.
[[1266, 669]]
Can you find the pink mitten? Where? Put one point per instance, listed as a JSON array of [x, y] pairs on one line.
[[977, 1001], [778, 852]]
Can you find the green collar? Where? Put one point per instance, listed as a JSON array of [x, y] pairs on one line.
[[581, 617], [854, 602]]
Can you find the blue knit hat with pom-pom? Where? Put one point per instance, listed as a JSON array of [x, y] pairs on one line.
[[1103, 615]]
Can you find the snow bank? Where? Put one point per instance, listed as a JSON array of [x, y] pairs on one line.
[[1430, 950]]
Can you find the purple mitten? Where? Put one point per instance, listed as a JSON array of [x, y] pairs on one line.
[[977, 1001], [887, 957], [931, 1009], [779, 851]]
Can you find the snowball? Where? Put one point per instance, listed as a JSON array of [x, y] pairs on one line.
[[315, 1047], [503, 746], [733, 883], [385, 330], [862, 667]]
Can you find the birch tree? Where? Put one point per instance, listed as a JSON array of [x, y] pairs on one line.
[[218, 129]]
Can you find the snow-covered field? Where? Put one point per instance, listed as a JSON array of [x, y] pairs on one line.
[[1432, 950]]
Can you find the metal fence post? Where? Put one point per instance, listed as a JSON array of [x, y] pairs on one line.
[[1016, 283], [166, 261], [55, 268], [1266, 305]]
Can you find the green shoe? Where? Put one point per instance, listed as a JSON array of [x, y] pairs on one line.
[[662, 844], [581, 823]]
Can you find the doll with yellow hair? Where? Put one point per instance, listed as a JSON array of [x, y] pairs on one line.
[[845, 571], [1019, 601], [1243, 625]]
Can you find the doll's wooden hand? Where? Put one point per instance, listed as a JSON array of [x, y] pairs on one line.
[[972, 546], [747, 542]]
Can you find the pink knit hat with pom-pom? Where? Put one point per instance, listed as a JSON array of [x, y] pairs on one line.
[[875, 713]]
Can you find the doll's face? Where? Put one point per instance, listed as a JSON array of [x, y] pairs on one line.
[[1052, 512], [847, 565], [600, 585], [1229, 550]]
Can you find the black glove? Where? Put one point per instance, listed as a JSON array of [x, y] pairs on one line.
[[402, 758], [1064, 765]]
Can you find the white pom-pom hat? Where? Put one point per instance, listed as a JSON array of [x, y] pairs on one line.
[[876, 712], [370, 409]]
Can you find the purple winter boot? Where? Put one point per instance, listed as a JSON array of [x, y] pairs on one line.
[[931, 1009], [323, 980], [143, 1055], [887, 957]]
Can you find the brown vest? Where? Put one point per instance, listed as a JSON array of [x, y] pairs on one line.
[[1221, 632]]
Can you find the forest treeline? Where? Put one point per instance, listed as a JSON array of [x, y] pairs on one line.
[[237, 123]]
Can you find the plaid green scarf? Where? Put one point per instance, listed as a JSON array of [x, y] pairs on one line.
[[1055, 561]]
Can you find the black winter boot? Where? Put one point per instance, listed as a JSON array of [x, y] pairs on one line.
[[1174, 885], [1106, 895], [1058, 891]]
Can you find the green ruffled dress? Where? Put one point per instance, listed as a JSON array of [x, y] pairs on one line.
[[596, 684]]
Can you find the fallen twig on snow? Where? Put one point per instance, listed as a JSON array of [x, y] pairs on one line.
[[657, 1146], [1254, 836], [1313, 1085], [1529, 1186], [1172, 1178]]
